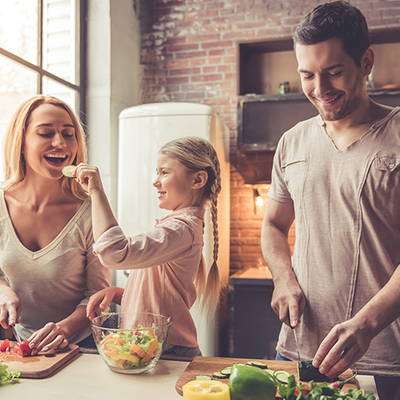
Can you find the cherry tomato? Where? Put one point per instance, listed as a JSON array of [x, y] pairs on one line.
[[18, 350], [5, 345]]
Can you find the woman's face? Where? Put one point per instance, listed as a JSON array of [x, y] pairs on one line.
[[50, 142]]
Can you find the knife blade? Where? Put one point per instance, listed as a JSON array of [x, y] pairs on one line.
[[297, 343], [15, 333]]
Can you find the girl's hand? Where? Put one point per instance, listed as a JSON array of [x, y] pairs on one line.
[[102, 299], [50, 337], [88, 177], [10, 307]]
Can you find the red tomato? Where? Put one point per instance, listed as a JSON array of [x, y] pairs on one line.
[[5, 345], [18, 350], [25, 347]]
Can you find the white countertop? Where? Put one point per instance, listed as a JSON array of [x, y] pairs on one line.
[[87, 377]]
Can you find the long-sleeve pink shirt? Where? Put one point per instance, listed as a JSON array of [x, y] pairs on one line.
[[164, 263]]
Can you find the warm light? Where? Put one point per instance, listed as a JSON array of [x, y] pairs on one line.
[[258, 200]]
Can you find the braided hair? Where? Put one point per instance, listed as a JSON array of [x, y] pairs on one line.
[[198, 154]]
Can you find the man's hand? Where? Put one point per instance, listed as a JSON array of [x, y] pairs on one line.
[[344, 345]]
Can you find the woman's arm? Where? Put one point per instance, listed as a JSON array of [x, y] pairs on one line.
[[10, 306]]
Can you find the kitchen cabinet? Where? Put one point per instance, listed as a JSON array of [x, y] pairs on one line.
[[253, 325], [264, 114]]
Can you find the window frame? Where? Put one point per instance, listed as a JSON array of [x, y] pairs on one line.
[[80, 48]]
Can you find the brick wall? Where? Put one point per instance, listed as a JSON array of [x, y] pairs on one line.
[[189, 52]]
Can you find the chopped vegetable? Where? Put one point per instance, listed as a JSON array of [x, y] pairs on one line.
[[7, 376], [282, 376], [130, 349], [5, 345], [258, 364], [203, 378], [69, 171]]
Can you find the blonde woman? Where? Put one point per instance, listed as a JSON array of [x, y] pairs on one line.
[[47, 269], [166, 262]]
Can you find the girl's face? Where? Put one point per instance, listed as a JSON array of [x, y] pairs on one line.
[[174, 184], [50, 141]]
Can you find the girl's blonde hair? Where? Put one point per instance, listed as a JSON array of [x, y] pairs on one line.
[[198, 154], [13, 158]]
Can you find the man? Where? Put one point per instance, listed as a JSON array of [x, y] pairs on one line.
[[338, 174]]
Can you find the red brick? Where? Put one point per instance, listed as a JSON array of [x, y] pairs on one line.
[[206, 78]]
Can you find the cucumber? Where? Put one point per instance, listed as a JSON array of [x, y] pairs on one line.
[[258, 364], [68, 171], [218, 375], [203, 378], [282, 376], [226, 371], [307, 372]]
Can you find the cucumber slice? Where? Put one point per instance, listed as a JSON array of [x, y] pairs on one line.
[[270, 371], [226, 371], [203, 378], [258, 364], [282, 376], [219, 375], [68, 171]]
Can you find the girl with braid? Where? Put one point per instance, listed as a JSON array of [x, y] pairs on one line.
[[167, 267]]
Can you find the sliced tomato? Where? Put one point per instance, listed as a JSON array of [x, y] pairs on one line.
[[5, 345], [25, 347], [18, 350]]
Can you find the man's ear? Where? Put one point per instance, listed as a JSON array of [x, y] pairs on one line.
[[368, 61], [200, 179]]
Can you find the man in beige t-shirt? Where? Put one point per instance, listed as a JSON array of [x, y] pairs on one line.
[[338, 174]]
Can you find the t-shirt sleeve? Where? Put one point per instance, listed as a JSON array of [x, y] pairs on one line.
[[279, 191]]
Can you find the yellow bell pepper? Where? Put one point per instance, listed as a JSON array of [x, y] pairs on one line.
[[204, 390]]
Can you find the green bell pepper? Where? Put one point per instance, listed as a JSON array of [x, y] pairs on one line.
[[251, 383]]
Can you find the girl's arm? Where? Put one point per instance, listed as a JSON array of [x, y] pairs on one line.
[[102, 300], [102, 215]]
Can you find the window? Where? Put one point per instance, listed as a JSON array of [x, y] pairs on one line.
[[40, 52]]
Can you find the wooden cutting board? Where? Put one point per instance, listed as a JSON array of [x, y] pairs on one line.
[[208, 365], [40, 365]]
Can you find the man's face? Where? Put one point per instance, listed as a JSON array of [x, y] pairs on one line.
[[330, 78]]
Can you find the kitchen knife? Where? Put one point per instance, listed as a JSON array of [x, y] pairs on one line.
[[297, 343], [15, 333]]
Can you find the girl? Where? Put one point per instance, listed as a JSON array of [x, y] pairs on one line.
[[47, 269], [166, 262]]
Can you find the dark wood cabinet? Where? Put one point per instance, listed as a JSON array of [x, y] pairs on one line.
[[253, 325]]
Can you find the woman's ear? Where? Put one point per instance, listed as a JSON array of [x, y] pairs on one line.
[[200, 179]]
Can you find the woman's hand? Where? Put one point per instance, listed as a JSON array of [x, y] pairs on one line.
[[50, 337], [102, 299], [88, 177], [10, 306]]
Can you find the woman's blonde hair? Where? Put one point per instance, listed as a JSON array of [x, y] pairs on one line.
[[13, 158], [198, 154]]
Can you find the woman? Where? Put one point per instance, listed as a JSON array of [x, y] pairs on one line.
[[47, 268]]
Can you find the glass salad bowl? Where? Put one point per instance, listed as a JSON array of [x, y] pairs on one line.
[[130, 345]]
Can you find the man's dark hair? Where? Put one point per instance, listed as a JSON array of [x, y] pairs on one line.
[[337, 19]]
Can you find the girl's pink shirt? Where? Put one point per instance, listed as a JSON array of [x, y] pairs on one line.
[[164, 263]]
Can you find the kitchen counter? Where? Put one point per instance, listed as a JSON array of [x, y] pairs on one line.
[[87, 377]]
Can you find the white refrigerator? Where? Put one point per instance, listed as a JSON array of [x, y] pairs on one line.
[[143, 130]]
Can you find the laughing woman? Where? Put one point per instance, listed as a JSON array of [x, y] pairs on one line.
[[47, 269]]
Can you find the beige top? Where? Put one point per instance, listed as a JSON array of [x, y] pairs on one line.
[[164, 263], [50, 283], [347, 212]]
